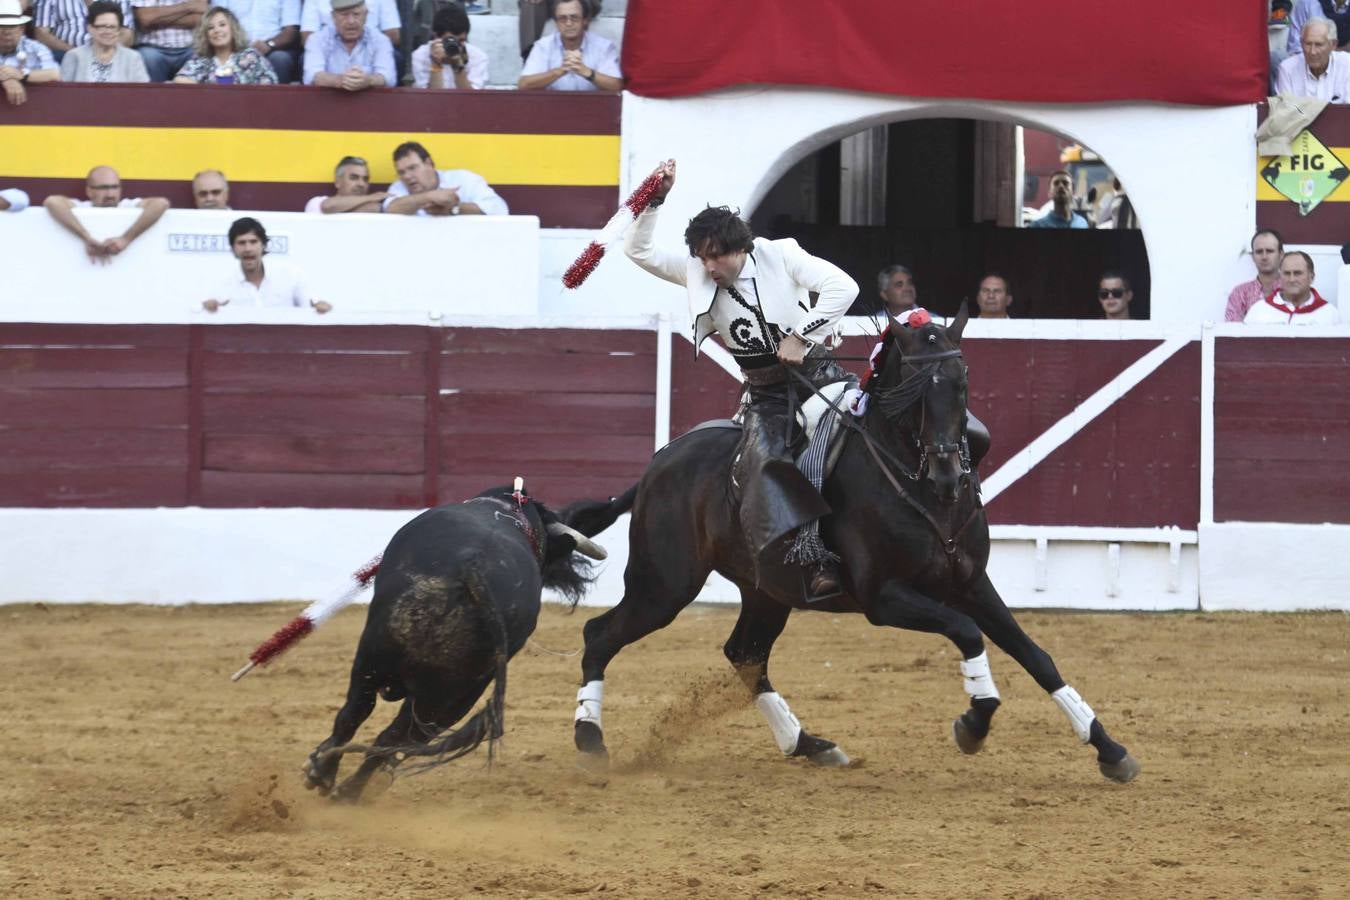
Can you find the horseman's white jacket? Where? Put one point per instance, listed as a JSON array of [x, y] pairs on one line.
[[782, 274]]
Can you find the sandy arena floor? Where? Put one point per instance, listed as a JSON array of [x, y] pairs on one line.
[[136, 769]]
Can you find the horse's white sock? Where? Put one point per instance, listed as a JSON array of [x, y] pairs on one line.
[[1080, 715], [589, 698], [979, 682], [784, 725]]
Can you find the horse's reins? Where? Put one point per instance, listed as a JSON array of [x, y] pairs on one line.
[[846, 418]]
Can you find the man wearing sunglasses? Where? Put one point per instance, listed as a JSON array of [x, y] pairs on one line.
[[1114, 294], [351, 184]]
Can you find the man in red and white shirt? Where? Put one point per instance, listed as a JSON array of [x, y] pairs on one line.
[[1267, 251], [1296, 302]]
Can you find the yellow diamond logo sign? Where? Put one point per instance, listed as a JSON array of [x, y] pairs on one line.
[[1308, 175]]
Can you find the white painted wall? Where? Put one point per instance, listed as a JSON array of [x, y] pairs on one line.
[[370, 263]]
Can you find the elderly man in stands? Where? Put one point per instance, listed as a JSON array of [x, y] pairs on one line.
[[572, 59], [103, 188], [351, 183], [23, 61], [13, 200], [1267, 251], [1061, 214], [350, 56], [210, 190], [449, 48], [423, 190], [895, 286], [63, 25], [1297, 301], [260, 283], [1321, 71], [994, 297], [1337, 11], [164, 31], [318, 15], [273, 28]]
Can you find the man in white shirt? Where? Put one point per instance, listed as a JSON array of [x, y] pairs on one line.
[[318, 14], [572, 59], [1297, 301], [435, 68], [1321, 71], [351, 183], [755, 294], [259, 283], [103, 188], [424, 190]]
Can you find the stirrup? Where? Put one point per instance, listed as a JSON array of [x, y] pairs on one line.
[[827, 591]]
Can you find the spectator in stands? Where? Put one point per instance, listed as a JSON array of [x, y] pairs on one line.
[[383, 17], [1061, 214], [103, 188], [895, 285], [572, 59], [425, 191], [63, 25], [1297, 301], [1335, 11], [164, 30], [994, 297], [210, 190], [1114, 293], [351, 181], [223, 54], [260, 283], [1267, 251], [468, 64], [13, 200], [350, 56], [273, 28], [22, 60], [104, 59], [1321, 71]]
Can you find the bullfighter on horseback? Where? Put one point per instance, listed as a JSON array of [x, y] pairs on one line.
[[754, 293]]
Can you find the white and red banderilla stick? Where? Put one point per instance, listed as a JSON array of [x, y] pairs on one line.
[[313, 616], [637, 201]]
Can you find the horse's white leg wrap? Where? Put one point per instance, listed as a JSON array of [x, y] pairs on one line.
[[979, 682], [784, 725], [589, 698], [1080, 715]]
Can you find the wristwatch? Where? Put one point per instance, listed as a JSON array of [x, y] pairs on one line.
[[590, 77], [271, 44]]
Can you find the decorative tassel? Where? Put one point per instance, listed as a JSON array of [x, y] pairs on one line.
[[633, 207], [313, 616]]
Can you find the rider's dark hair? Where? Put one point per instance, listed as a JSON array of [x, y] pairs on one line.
[[718, 230], [247, 225]]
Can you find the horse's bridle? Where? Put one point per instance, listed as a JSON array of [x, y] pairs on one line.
[[896, 400]]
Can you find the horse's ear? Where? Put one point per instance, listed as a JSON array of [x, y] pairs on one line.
[[959, 324]]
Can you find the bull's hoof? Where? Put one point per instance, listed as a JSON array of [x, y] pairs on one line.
[[965, 738], [590, 739], [1124, 771], [821, 752]]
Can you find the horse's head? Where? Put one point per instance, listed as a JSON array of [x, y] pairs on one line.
[[922, 388]]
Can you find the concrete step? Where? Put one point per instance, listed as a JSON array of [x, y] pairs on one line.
[[499, 37]]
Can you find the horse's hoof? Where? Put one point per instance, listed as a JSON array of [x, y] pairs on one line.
[[833, 758], [589, 738], [965, 739], [1124, 771], [314, 781]]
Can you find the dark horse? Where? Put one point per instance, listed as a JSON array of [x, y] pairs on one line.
[[906, 521], [456, 596]]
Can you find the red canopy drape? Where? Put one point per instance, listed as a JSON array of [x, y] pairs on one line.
[[1200, 52]]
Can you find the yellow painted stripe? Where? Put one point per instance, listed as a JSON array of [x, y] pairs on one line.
[[172, 154], [1265, 192]]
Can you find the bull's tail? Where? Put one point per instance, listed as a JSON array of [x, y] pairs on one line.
[[489, 722]]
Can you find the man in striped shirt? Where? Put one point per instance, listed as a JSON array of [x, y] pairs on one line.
[[164, 33], [60, 24], [1267, 251]]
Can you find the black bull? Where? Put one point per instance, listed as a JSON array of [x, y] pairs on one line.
[[906, 521], [456, 596]]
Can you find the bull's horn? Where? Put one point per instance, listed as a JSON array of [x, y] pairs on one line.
[[585, 546]]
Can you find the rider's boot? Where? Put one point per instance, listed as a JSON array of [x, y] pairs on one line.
[[824, 582]]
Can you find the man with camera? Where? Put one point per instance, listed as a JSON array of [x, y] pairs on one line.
[[449, 49]]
